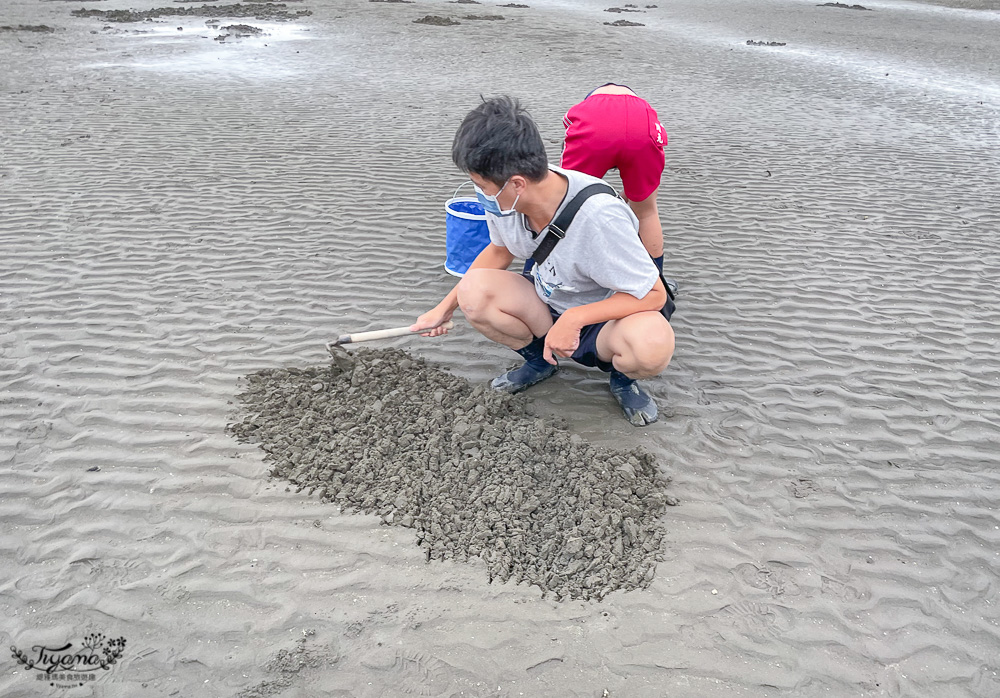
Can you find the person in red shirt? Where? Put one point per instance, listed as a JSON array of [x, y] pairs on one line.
[[614, 128]]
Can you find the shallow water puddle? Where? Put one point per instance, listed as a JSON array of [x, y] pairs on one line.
[[227, 46]]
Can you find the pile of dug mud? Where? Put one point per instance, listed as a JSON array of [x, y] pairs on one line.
[[473, 471]]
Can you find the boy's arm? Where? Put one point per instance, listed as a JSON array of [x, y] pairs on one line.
[[492, 257], [564, 336]]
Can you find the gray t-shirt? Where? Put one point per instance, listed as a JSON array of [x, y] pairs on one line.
[[600, 255]]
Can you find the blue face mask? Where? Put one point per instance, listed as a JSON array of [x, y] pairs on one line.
[[490, 204]]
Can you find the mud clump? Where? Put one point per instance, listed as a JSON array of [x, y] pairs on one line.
[[845, 7], [239, 31], [751, 42], [470, 469], [243, 30], [436, 20], [37, 28], [259, 11], [625, 23]]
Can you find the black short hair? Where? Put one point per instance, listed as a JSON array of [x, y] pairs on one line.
[[497, 140]]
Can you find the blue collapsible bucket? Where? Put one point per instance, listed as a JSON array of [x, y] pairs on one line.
[[467, 234]]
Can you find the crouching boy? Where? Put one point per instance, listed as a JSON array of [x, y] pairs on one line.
[[597, 296]]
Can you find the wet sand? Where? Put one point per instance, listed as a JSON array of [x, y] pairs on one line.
[[178, 212]]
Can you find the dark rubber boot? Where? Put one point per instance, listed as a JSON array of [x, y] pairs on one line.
[[534, 370], [638, 407]]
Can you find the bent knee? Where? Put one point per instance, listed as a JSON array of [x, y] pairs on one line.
[[652, 364], [652, 350], [661, 336], [474, 294]]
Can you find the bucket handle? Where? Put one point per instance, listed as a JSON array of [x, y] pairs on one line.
[[468, 181]]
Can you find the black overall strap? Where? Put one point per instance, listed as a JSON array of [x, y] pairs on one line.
[[556, 230]]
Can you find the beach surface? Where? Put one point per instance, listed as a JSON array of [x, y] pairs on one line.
[[179, 211]]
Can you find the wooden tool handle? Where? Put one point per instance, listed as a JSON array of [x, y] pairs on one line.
[[384, 334]]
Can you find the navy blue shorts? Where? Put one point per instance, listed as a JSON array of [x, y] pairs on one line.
[[586, 353]]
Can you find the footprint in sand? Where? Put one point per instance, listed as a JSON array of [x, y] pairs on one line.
[[803, 487], [37, 432], [411, 673], [776, 578], [31, 436], [759, 622], [756, 621], [376, 618], [843, 590], [114, 573], [701, 636], [173, 592], [50, 580]]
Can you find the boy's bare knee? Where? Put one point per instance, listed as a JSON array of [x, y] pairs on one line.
[[650, 361], [473, 294], [650, 349]]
